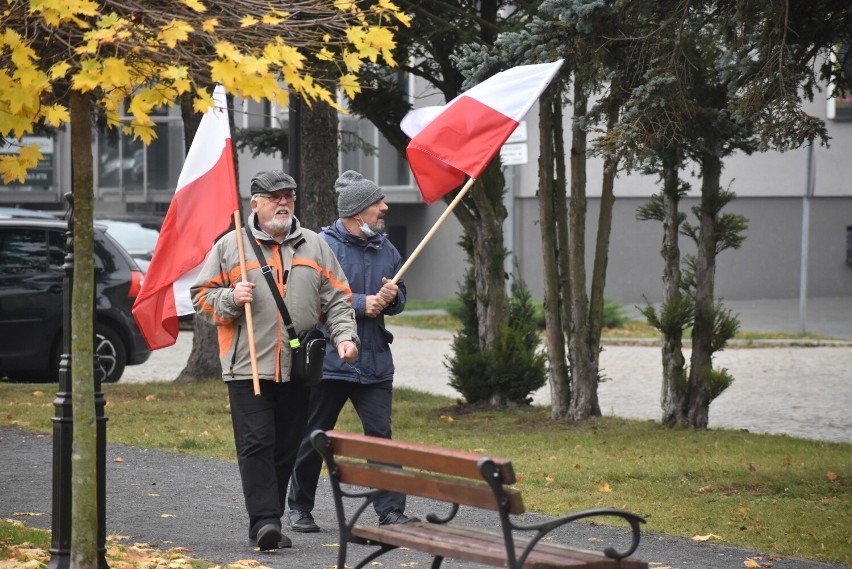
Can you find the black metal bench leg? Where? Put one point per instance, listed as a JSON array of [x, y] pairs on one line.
[[436, 562]]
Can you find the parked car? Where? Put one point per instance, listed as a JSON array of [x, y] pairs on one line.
[[137, 237], [32, 252], [16, 212]]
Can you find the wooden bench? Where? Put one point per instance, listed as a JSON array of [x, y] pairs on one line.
[[454, 478]]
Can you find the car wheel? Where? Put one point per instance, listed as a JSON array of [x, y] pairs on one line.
[[111, 353]]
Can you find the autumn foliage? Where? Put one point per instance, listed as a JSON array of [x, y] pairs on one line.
[[133, 56]]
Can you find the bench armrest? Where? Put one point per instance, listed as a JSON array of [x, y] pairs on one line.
[[544, 528]]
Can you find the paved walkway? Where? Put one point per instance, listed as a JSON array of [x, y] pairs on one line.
[[801, 390]]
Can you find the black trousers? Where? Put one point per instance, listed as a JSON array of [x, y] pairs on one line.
[[268, 429], [373, 403]]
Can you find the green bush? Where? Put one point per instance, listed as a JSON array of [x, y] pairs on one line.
[[512, 367]]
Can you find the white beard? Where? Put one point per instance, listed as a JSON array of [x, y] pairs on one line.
[[279, 226]]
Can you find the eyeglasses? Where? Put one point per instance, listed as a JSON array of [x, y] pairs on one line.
[[276, 197]]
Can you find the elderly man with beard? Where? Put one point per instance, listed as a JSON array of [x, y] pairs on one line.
[[370, 261], [269, 427]]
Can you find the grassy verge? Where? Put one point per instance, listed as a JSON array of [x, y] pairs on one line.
[[771, 493]]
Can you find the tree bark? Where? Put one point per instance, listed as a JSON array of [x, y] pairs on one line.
[[674, 385], [560, 384], [596, 303], [584, 372], [317, 198], [84, 495], [701, 363]]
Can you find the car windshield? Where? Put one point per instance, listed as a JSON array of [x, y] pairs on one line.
[[138, 240]]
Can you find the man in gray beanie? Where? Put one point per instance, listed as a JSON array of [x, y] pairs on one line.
[[369, 261]]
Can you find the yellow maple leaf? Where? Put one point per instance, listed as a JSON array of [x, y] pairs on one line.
[[603, 487], [203, 101], [707, 537], [12, 169], [272, 20], [324, 54], [352, 61], [831, 476], [751, 563], [345, 5], [59, 70], [89, 76], [248, 21], [174, 32], [18, 99], [115, 72], [349, 84], [195, 5], [209, 25], [55, 115]]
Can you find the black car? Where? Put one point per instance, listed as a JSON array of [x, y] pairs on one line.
[[32, 252]]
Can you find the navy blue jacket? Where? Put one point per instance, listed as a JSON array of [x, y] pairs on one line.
[[365, 262]]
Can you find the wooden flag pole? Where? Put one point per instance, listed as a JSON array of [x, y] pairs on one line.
[[434, 229], [249, 326]]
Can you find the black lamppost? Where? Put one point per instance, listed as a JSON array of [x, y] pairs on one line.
[[63, 430]]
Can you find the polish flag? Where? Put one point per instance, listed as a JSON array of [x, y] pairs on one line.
[[201, 210], [461, 137]]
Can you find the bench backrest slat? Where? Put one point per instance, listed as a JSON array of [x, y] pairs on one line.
[[445, 461], [468, 493]]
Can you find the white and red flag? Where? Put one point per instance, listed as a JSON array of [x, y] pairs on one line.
[[461, 137], [201, 210]]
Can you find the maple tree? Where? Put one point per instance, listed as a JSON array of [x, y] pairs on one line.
[[146, 54]]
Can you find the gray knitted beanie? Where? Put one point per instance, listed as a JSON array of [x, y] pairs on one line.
[[272, 181], [355, 193]]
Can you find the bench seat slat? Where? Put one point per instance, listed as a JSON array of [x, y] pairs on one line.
[[486, 547], [476, 494], [445, 461]]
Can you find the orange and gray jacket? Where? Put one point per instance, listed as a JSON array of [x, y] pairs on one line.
[[309, 278]]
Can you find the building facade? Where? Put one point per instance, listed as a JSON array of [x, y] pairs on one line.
[[780, 194]]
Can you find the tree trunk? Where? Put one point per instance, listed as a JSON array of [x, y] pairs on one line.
[[584, 372], [701, 362], [560, 381], [486, 236], [674, 384], [317, 198], [84, 495], [203, 363], [596, 304]]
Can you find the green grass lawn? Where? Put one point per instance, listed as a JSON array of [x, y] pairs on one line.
[[772, 493]]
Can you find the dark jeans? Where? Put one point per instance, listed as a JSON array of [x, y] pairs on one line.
[[373, 404], [268, 429]]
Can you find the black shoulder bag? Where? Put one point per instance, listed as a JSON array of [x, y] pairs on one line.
[[308, 347]]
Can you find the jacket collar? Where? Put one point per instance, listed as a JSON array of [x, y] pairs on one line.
[[339, 232]]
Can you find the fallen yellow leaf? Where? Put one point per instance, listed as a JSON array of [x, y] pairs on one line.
[[707, 537], [603, 487], [831, 476], [167, 515], [751, 563]]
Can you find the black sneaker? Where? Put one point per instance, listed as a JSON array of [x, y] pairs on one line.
[[302, 522], [269, 537], [396, 517]]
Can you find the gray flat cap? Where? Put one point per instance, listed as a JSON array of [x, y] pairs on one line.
[[272, 181], [355, 193]]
